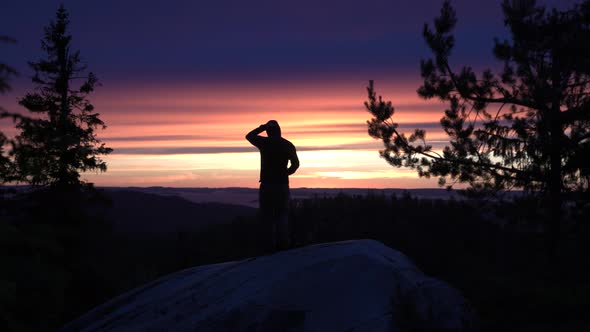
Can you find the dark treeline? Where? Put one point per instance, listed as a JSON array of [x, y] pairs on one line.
[[495, 253]]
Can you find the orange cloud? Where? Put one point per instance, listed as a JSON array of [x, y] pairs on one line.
[[193, 135]]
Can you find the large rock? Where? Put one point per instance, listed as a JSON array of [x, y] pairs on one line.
[[344, 286]]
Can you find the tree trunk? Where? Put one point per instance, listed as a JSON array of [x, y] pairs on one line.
[[63, 139], [555, 184], [555, 190]]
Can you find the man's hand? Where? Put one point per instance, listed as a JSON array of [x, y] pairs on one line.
[[253, 137]]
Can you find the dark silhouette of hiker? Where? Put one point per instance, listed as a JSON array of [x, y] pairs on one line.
[[273, 196]]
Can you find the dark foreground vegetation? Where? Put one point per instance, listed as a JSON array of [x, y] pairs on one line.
[[522, 264], [56, 266]]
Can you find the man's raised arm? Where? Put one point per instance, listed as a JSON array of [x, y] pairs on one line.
[[253, 137]]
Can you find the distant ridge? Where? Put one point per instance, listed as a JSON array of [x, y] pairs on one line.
[[137, 211], [249, 196]]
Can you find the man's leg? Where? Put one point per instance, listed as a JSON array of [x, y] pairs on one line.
[[284, 240], [266, 215], [274, 204], [282, 218]]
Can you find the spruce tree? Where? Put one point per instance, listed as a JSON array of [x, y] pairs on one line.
[[59, 140]]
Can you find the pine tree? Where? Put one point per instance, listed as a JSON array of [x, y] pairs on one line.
[[6, 72], [59, 142], [527, 127]]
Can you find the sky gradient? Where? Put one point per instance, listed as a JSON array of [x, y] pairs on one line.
[[184, 81]]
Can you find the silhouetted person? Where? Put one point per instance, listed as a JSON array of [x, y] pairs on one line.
[[275, 154]]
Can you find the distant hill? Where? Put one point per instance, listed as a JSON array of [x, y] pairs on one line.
[[249, 196], [134, 211]]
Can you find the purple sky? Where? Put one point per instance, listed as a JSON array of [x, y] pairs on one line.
[[232, 39]]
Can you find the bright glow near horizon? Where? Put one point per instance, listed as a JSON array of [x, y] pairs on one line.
[[194, 136]]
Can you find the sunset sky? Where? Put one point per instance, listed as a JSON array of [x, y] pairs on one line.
[[184, 81]]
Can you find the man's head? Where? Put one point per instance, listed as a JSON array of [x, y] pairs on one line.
[[273, 129]]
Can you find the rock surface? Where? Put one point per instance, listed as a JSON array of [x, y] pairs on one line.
[[359, 285]]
